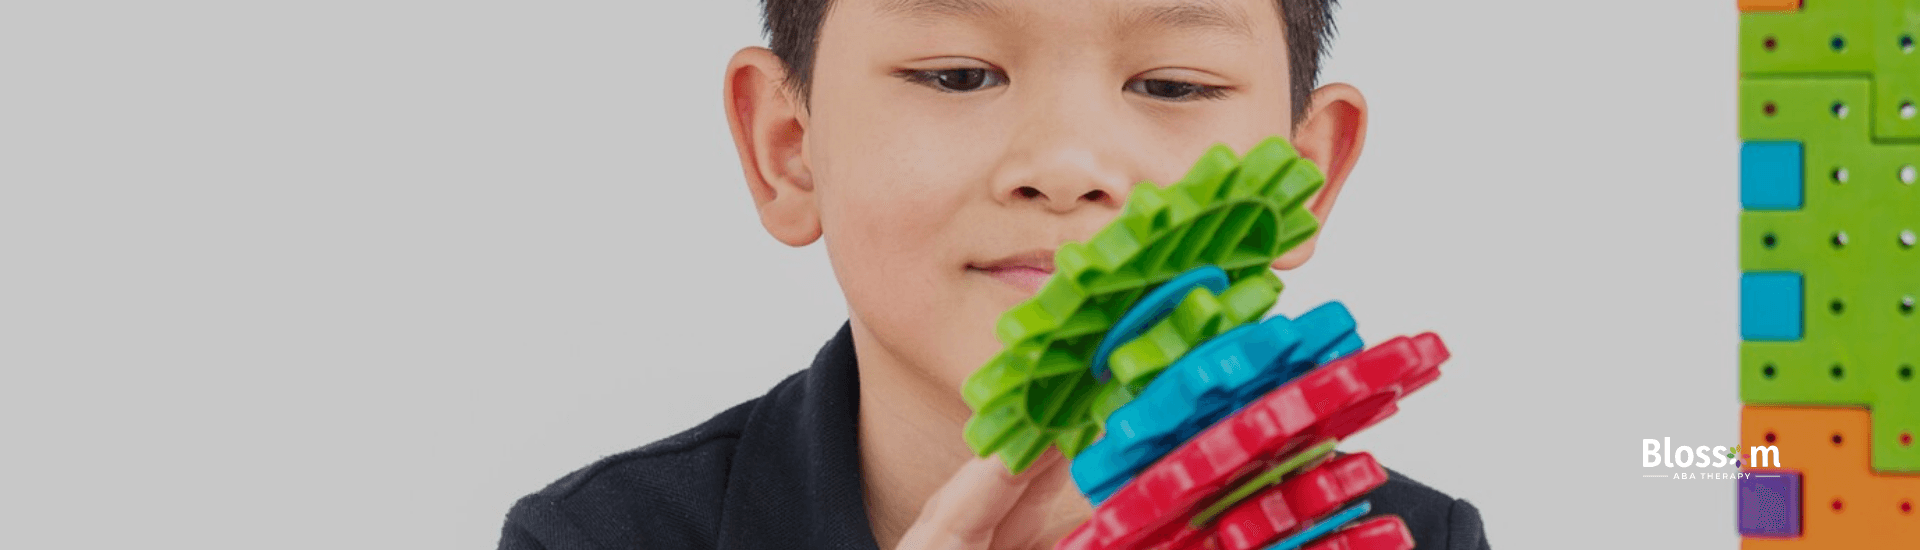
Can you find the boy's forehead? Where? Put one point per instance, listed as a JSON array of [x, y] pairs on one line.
[[1239, 18]]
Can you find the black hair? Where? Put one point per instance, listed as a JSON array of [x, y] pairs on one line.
[[793, 30]]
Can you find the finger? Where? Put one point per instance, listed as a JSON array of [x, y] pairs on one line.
[[1050, 508], [964, 512]]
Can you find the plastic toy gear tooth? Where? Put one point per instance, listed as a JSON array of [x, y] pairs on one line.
[[1216, 378], [1238, 214], [1196, 319]]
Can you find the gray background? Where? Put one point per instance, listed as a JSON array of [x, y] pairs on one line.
[[361, 273]]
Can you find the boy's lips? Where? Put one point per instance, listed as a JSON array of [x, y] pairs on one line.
[[1026, 271]]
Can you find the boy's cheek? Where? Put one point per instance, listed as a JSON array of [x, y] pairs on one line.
[[902, 217], [940, 325]]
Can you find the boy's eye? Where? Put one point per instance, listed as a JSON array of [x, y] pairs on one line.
[[1174, 90], [956, 80]]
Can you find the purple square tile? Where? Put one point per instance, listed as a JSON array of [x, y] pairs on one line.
[[1770, 504]]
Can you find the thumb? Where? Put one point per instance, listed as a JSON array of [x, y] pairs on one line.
[[963, 514]]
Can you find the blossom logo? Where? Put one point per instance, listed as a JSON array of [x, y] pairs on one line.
[[1656, 453]]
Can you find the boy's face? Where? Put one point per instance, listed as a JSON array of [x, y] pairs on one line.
[[950, 146]]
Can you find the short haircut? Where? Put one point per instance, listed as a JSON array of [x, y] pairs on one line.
[[793, 30]]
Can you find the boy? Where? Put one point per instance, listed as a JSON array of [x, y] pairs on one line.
[[943, 149]]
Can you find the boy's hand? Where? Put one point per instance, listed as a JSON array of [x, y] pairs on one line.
[[984, 507]]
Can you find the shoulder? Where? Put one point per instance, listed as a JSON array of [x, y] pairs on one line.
[[669, 493], [794, 444], [1436, 520]]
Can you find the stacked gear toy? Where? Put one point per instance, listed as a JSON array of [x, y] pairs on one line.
[[1238, 216], [1191, 422], [1830, 272]]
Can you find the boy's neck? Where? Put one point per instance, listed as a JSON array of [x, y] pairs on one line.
[[910, 443], [909, 437]]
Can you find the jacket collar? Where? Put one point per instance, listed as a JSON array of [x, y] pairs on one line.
[[795, 480]]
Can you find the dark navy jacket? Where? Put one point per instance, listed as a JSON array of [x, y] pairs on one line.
[[783, 471]]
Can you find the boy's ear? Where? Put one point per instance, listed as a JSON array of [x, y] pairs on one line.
[[1331, 136], [769, 131]]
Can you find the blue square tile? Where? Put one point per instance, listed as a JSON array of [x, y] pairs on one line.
[[1770, 306], [1771, 175]]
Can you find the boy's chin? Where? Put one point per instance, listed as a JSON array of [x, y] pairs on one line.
[[965, 356]]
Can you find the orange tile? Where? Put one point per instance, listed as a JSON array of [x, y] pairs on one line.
[[1869, 513], [1769, 5]]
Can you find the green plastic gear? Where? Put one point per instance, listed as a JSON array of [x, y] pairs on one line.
[[1237, 214], [1198, 317]]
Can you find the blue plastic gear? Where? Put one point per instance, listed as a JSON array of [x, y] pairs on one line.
[[1208, 384]]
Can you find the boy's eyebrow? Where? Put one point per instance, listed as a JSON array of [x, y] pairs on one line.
[[1176, 14], [924, 9], [1190, 14]]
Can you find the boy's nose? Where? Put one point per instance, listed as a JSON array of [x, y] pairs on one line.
[[1063, 179]]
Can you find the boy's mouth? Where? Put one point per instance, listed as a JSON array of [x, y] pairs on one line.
[[1026, 271]]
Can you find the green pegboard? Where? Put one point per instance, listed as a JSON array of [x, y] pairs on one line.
[[1805, 42], [1872, 39], [1804, 110], [1851, 243], [1896, 92], [1239, 215]]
